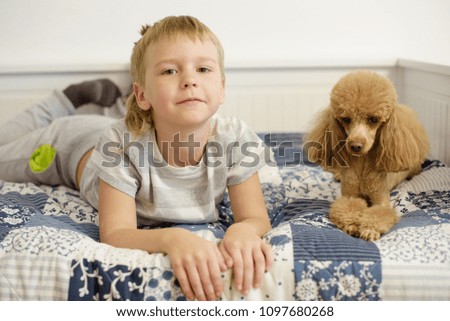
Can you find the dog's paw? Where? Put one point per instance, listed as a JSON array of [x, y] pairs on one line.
[[369, 235], [346, 213], [375, 221], [350, 229]]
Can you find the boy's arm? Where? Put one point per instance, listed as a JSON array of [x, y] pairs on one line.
[[242, 246], [197, 263]]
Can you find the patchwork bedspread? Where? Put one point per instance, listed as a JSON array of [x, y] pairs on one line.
[[49, 247]]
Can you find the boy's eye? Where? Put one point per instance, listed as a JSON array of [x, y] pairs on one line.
[[169, 72], [203, 69]]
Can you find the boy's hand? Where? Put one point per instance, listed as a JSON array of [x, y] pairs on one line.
[[247, 254], [197, 264]]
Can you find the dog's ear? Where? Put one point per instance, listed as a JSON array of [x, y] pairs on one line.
[[402, 142], [325, 140]]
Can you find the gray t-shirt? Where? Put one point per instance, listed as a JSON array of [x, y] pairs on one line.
[[165, 193]]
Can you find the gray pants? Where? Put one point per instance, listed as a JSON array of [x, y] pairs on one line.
[[56, 122]]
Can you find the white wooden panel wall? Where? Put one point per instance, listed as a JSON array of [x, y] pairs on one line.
[[20, 88], [277, 99], [426, 88], [267, 98], [282, 100]]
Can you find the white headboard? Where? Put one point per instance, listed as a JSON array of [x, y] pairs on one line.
[[426, 88], [278, 97]]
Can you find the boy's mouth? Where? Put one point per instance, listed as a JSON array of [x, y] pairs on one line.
[[190, 101]]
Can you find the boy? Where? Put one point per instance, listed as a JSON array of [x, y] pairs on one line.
[[169, 161]]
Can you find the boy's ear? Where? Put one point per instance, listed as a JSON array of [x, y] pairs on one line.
[[141, 100]]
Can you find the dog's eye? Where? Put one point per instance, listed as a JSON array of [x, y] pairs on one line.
[[373, 120], [346, 120]]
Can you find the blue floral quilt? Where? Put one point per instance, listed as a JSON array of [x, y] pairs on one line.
[[49, 247]]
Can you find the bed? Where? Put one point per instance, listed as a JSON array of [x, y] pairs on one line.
[[49, 248]]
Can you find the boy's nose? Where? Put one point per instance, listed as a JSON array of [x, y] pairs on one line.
[[191, 82]]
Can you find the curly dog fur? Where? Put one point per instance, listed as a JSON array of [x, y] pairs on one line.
[[371, 143]]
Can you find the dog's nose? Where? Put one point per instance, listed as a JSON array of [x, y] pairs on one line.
[[356, 147]]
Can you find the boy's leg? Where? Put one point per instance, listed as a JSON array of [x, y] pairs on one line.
[[40, 115], [50, 155], [102, 92]]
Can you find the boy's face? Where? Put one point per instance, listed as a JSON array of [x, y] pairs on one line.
[[184, 85]]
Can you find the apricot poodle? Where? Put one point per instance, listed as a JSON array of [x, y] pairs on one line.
[[371, 143]]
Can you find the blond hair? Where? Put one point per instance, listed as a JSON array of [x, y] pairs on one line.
[[169, 28]]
